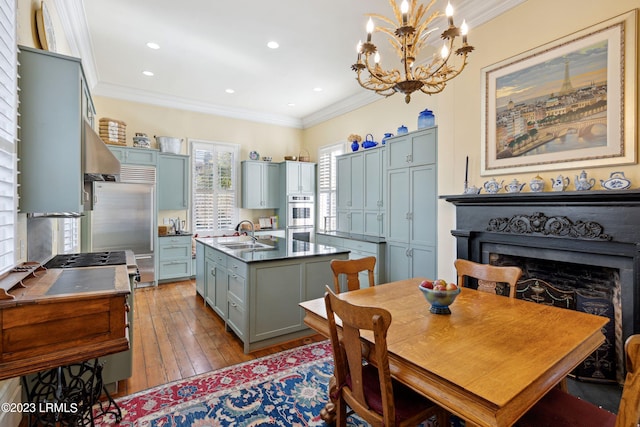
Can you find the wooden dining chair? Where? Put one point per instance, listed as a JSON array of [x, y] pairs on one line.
[[488, 276], [367, 389], [560, 409], [352, 268]]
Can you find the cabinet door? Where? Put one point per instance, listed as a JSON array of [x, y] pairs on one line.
[[210, 282], [141, 156], [173, 182], [397, 261], [252, 184], [357, 181], [356, 221], [293, 177], [423, 147], [343, 182], [200, 270], [372, 177], [308, 178], [271, 186], [423, 200], [373, 223], [342, 221], [398, 152], [399, 206], [423, 262], [221, 283]]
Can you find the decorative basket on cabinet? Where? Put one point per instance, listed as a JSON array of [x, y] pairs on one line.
[[304, 156]]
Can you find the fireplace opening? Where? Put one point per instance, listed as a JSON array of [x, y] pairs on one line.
[[593, 289]]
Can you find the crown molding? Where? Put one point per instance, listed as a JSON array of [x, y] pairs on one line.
[[74, 24], [339, 108], [152, 98]]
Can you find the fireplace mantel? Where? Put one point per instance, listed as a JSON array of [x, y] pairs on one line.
[[548, 197], [596, 228]]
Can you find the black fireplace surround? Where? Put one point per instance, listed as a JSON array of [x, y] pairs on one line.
[[595, 228]]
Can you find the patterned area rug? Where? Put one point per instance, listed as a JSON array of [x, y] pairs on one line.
[[285, 389]]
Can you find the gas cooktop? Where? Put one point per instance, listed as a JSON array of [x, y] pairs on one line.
[[87, 259]]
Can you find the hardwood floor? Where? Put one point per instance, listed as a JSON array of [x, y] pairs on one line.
[[176, 336]]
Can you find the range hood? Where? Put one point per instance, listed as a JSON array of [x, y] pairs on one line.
[[97, 158]]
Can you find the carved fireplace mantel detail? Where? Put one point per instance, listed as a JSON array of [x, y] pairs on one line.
[[539, 223]]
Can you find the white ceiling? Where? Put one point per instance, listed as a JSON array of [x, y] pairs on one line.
[[208, 46]]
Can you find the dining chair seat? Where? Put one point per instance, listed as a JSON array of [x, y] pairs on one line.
[[561, 409]]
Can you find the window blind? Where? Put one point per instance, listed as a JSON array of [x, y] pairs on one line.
[[8, 133], [327, 185], [215, 187]]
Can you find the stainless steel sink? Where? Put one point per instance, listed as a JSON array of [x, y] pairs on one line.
[[246, 245]]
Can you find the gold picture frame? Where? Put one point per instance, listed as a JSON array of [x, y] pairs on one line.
[[567, 104], [46, 34]]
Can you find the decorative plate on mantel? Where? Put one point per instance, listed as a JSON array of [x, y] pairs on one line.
[[46, 35]]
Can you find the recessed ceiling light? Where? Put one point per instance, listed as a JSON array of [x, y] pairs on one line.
[[317, 89], [152, 45], [273, 45], [229, 90], [147, 73], [291, 104]]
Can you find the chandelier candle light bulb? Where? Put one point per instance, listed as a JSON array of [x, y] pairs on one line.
[[408, 34]]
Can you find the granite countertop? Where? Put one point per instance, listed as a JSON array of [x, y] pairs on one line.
[[353, 236], [276, 248]]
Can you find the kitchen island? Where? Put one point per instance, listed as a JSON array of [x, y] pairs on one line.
[[256, 287]]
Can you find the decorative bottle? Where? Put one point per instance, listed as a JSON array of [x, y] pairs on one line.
[[426, 119]]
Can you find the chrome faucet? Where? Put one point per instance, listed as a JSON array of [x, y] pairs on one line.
[[253, 230]]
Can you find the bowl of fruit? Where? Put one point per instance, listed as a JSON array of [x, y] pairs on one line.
[[439, 294]]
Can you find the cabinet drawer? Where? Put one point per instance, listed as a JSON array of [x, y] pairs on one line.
[[236, 267], [237, 286], [173, 269], [216, 256], [175, 251], [359, 245], [236, 317]]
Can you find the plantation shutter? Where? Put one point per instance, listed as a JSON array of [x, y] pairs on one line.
[[214, 187], [8, 133], [327, 186]]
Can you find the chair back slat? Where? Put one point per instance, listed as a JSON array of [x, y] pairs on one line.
[[352, 268], [488, 276]]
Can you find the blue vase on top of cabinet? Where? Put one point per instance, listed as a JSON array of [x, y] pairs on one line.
[[426, 119]]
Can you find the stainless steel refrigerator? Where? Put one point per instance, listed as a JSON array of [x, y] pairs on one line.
[[123, 218]]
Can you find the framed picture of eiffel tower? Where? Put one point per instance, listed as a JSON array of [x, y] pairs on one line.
[[568, 104]]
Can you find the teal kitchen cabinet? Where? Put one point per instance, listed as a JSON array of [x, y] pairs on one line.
[[411, 149], [174, 258], [216, 280], [135, 156], [359, 192], [173, 181], [54, 104], [411, 231], [299, 177], [260, 185]]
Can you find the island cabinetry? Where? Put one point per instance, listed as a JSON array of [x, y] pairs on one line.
[[201, 270], [135, 156], [173, 181], [412, 213], [260, 185], [174, 257], [261, 290], [359, 192]]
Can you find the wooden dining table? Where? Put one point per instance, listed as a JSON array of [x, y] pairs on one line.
[[488, 361]]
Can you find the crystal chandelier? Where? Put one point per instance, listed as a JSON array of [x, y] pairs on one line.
[[408, 34]]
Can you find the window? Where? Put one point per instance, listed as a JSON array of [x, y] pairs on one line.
[[215, 187], [68, 235], [8, 133], [327, 185]]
